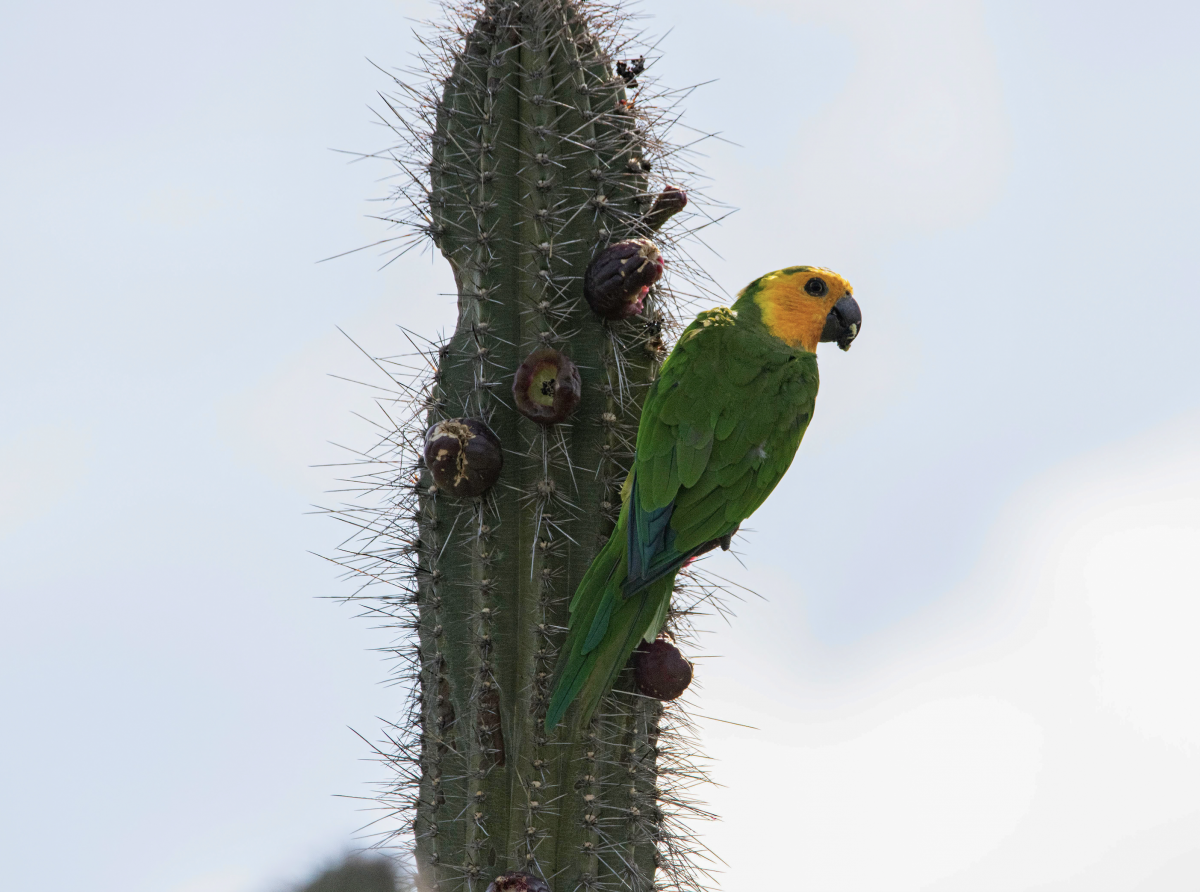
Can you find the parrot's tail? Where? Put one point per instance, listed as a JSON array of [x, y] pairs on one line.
[[591, 608], [598, 646]]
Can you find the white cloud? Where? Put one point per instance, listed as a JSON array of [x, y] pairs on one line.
[[913, 798], [179, 207], [1036, 730], [917, 140], [286, 422], [1143, 584], [39, 467], [222, 881]]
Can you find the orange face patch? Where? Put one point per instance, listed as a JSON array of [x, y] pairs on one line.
[[793, 309]]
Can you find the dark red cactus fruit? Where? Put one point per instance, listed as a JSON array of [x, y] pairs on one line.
[[464, 456], [661, 670], [618, 279], [516, 881], [547, 387], [670, 202]]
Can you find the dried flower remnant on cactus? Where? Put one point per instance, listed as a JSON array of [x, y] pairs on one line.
[[464, 456], [547, 387], [619, 278], [629, 69]]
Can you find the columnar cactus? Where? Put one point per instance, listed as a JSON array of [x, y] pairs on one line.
[[538, 172]]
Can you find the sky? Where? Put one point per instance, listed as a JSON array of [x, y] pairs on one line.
[[970, 662]]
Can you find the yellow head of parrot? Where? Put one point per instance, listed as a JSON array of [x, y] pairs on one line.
[[803, 305]]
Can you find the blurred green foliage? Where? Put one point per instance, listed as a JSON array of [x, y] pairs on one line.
[[360, 874]]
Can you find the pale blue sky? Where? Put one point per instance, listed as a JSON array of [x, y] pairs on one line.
[[973, 654]]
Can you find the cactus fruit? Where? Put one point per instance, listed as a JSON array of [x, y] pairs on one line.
[[529, 166], [661, 670], [463, 456], [546, 387], [518, 881], [618, 279]]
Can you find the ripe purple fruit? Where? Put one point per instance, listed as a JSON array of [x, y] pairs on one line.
[[517, 881], [618, 279], [464, 456], [547, 387], [661, 670]]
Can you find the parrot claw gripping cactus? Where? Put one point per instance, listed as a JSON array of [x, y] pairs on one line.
[[530, 161]]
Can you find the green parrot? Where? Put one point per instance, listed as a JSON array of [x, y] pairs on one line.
[[719, 428]]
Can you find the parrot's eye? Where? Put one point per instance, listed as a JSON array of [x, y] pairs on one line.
[[816, 287]]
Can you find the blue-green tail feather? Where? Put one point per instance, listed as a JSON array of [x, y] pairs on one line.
[[589, 673]]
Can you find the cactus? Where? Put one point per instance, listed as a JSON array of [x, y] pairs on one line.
[[536, 170]]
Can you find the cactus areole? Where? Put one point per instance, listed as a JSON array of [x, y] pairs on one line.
[[536, 161]]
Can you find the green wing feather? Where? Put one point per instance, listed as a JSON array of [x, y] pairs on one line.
[[719, 429]]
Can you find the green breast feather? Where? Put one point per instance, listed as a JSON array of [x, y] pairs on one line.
[[719, 429]]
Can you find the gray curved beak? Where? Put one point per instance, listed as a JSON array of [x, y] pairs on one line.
[[843, 323]]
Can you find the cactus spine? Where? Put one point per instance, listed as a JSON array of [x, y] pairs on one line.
[[536, 161]]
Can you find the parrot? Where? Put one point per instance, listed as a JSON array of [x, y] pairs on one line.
[[719, 427]]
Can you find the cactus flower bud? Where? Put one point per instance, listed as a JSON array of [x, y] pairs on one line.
[[670, 202], [516, 881], [661, 670], [464, 456], [547, 387], [618, 279]]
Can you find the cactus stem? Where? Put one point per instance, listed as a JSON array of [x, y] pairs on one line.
[[533, 160]]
